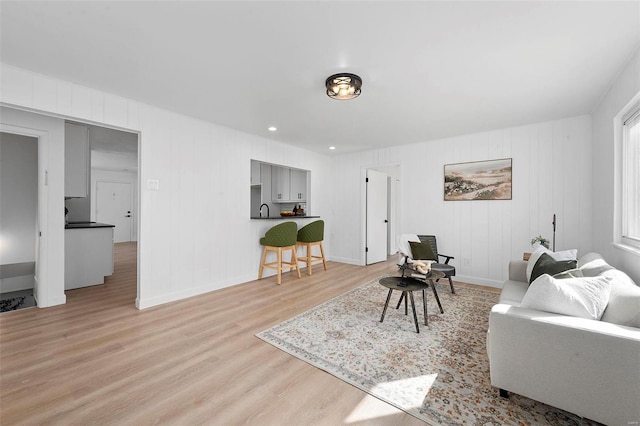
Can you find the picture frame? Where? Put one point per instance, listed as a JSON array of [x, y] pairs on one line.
[[478, 180]]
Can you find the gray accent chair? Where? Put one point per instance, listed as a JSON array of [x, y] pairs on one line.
[[448, 270]]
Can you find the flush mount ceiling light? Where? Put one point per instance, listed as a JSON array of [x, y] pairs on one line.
[[343, 86]]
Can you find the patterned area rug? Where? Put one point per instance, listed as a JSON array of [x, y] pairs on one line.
[[440, 376], [12, 304]]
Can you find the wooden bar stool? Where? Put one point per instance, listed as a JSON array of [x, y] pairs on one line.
[[280, 238], [311, 235]]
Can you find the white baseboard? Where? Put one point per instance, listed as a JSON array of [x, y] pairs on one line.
[[346, 260], [478, 281], [144, 303]]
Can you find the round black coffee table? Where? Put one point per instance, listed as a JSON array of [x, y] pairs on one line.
[[407, 285]]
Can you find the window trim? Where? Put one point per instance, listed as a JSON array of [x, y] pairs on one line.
[[631, 110]]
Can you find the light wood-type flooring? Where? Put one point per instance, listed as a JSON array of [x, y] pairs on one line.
[[99, 360]]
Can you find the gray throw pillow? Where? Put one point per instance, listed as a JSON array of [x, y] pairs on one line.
[[548, 265]]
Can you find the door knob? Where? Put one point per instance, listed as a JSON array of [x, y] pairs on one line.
[[386, 221], [128, 215]]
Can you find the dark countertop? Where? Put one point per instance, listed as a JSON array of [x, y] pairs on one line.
[[84, 225], [285, 217]]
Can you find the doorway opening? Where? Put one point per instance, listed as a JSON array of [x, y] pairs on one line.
[[19, 224], [113, 198], [381, 216]]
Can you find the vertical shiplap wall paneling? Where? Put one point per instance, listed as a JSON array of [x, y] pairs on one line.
[[239, 183], [204, 155], [621, 92], [17, 86], [520, 209], [116, 110], [507, 214], [481, 217], [586, 201], [155, 224], [80, 102], [545, 204], [217, 199], [495, 211], [530, 138], [97, 106], [183, 205], [569, 158], [452, 238], [486, 233], [177, 251], [45, 93], [558, 190]]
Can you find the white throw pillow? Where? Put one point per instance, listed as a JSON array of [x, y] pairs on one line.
[[556, 255], [584, 297]]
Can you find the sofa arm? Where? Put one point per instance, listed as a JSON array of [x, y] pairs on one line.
[[518, 270], [571, 363]]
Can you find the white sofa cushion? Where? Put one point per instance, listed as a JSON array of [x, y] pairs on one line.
[[624, 300], [513, 292], [585, 297]]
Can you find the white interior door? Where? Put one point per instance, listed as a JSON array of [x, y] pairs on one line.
[[377, 220], [113, 206]]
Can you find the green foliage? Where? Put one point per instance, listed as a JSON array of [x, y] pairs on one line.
[[542, 240]]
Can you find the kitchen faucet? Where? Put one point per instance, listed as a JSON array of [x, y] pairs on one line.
[[263, 205]]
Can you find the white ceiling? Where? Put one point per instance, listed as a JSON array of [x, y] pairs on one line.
[[430, 69]]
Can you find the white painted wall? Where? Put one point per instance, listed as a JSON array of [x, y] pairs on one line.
[[18, 198], [622, 90], [552, 166], [195, 234]]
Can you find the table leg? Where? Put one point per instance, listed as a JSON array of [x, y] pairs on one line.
[[384, 311], [435, 293], [400, 301], [413, 307], [424, 304]]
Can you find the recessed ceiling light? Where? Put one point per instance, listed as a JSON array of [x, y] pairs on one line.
[[273, 129], [332, 147]]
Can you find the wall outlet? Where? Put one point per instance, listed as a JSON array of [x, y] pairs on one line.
[[153, 184], [466, 262]]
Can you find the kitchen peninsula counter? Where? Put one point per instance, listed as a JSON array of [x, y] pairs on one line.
[[88, 254], [284, 217], [83, 225]]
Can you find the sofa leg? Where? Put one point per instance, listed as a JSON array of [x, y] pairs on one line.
[[504, 393]]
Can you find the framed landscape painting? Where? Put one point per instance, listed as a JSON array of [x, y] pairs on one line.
[[478, 180]]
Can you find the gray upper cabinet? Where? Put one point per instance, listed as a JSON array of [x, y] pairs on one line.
[[298, 185], [288, 185], [76, 161], [280, 184]]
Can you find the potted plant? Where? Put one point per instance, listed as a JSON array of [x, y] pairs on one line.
[[540, 240]]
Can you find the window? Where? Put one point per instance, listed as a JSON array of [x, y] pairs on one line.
[[631, 177]]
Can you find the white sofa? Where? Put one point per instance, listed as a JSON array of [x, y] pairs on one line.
[[584, 366]]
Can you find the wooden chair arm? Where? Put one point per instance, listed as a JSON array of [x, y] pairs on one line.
[[446, 262]]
